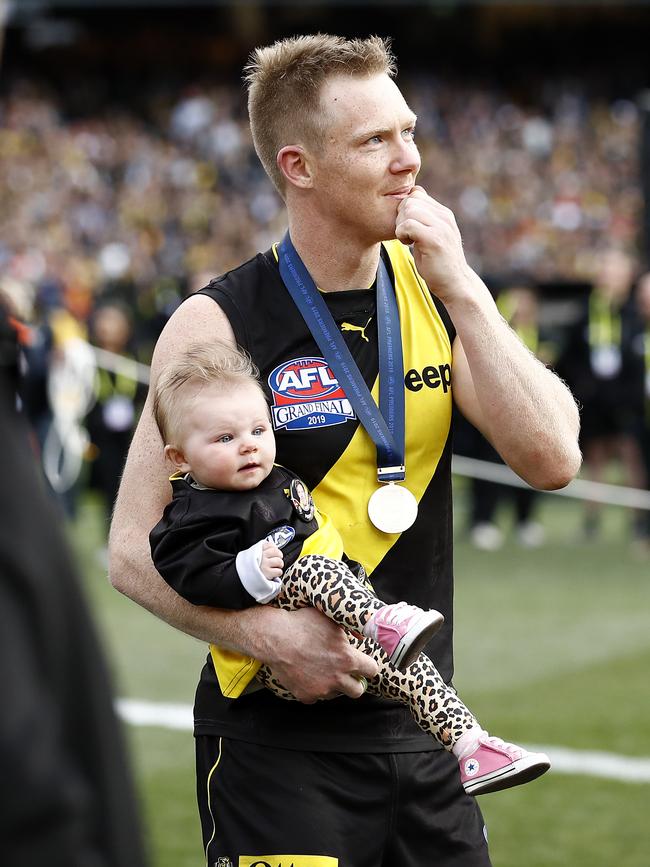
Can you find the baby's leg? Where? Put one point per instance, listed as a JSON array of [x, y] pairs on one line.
[[487, 764], [329, 586], [401, 630], [434, 706]]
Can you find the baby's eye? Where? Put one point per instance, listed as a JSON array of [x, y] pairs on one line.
[[258, 431], [226, 438]]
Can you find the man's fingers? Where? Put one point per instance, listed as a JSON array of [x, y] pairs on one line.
[[356, 686], [318, 662], [364, 665], [425, 209], [409, 231], [418, 192]]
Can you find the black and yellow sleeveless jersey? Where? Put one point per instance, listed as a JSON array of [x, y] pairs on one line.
[[320, 439]]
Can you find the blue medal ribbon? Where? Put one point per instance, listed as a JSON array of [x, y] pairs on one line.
[[385, 424]]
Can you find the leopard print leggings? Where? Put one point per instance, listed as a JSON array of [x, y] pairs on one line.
[[329, 586]]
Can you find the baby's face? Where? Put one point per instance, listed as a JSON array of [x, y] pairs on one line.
[[228, 440]]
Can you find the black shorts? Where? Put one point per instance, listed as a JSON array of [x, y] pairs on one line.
[[263, 807]]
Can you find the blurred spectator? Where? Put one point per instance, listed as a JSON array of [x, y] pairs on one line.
[[66, 795], [118, 401], [58, 382], [10, 338], [642, 348], [607, 377], [519, 305]]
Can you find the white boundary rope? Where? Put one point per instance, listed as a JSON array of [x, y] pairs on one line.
[[119, 364], [590, 763], [580, 489]]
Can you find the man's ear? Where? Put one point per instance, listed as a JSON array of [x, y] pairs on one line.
[[177, 459], [293, 162]]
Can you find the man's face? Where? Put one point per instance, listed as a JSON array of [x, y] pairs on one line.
[[614, 275], [369, 160]]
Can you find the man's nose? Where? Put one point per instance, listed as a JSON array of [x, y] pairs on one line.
[[406, 158]]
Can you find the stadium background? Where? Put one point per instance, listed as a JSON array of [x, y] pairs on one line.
[[562, 658]]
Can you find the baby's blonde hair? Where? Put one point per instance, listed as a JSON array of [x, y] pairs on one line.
[[284, 83], [201, 364]]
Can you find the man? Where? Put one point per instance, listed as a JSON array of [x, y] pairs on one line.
[[344, 782], [641, 346], [602, 363]]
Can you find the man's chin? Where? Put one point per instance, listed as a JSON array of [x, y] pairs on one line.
[[388, 234], [384, 230]]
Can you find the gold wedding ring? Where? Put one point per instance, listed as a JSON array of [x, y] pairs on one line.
[[362, 681]]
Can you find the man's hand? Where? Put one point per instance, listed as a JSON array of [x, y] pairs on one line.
[[272, 564], [311, 656], [437, 245]]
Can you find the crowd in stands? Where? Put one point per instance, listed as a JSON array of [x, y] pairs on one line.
[[535, 188], [116, 204], [112, 197]]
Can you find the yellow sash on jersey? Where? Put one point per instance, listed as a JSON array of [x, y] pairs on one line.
[[345, 490], [347, 487]]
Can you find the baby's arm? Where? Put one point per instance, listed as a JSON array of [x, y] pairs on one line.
[[200, 562], [260, 569], [272, 562]]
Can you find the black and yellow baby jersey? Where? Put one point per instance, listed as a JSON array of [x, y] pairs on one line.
[[195, 544], [198, 546], [320, 439]]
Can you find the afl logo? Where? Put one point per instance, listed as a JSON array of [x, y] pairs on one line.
[[306, 394]]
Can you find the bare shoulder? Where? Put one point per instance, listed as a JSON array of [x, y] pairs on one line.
[[199, 319]]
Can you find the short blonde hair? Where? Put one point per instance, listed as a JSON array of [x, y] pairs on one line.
[[284, 82], [201, 364]]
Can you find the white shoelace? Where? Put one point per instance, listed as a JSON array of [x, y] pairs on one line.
[[512, 750], [397, 613]]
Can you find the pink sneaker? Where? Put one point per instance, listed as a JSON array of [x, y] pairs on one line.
[[496, 765], [402, 630]]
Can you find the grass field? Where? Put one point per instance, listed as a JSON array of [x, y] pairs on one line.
[[552, 647]]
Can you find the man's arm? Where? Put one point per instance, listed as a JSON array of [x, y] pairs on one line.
[[309, 653], [523, 408]]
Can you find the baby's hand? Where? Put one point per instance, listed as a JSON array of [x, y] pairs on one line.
[[272, 564]]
